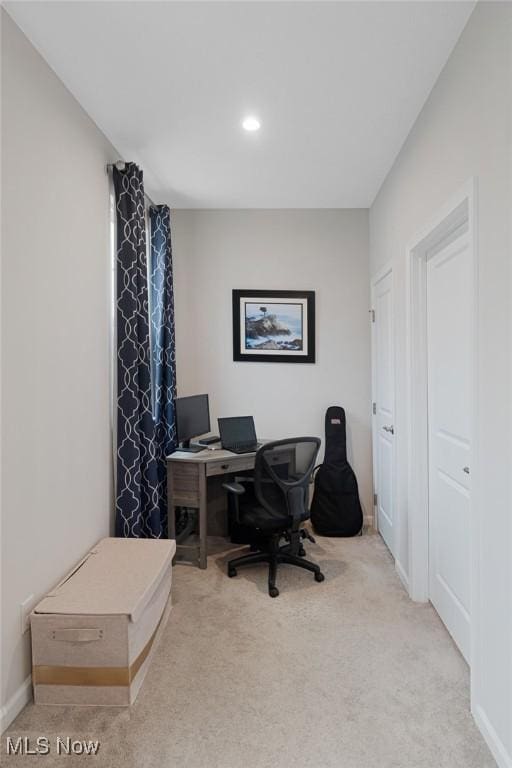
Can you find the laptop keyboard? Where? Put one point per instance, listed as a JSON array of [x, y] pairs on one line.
[[243, 447]]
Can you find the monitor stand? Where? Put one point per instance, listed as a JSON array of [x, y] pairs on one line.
[[187, 448]]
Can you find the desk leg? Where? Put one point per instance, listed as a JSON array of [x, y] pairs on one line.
[[203, 518], [171, 522], [171, 511]]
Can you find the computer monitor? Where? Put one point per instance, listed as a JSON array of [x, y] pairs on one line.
[[192, 419]]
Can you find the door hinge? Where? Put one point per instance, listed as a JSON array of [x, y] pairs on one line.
[[374, 408], [372, 315], [374, 499]]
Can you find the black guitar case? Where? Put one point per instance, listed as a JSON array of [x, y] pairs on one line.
[[336, 509]]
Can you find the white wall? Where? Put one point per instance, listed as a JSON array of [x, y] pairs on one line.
[[321, 250], [56, 441], [463, 131]]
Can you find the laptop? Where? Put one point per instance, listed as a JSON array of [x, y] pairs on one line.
[[238, 434]]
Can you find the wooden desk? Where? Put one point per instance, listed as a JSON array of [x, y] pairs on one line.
[[187, 485]]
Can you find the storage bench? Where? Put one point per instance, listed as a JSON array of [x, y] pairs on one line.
[[94, 634]]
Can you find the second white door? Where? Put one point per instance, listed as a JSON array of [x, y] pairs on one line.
[[449, 323], [384, 407]]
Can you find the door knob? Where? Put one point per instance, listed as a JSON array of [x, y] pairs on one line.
[[389, 429], [466, 470]]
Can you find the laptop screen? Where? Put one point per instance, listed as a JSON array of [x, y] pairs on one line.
[[237, 429]]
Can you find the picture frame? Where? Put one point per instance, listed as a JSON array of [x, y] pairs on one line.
[[271, 326]]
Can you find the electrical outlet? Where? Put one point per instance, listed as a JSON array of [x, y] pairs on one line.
[[25, 611]]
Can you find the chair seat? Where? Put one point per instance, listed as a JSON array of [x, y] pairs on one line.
[[263, 520], [253, 515]]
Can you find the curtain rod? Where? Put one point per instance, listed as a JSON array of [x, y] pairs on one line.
[[120, 165]]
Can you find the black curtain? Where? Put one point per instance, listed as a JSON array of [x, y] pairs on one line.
[[141, 503], [163, 347]]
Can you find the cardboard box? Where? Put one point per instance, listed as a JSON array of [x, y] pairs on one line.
[[94, 634]]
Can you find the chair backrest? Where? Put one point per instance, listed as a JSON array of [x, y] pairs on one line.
[[283, 469]]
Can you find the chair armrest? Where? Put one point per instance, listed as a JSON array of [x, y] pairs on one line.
[[236, 488]]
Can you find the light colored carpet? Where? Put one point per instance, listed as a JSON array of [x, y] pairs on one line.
[[348, 673]]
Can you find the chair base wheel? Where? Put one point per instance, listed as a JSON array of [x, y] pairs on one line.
[[319, 576], [273, 591], [231, 572]]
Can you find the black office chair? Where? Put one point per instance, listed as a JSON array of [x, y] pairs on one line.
[[274, 506]]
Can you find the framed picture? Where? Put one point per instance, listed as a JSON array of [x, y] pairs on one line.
[[274, 326]]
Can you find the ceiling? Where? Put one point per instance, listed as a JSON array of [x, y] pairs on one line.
[[337, 87]]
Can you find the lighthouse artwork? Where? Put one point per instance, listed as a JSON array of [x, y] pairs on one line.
[[273, 326]]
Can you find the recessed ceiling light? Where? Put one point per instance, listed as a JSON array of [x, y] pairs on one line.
[[251, 123]]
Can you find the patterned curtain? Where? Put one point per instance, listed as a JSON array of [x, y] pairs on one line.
[[141, 505], [163, 349]]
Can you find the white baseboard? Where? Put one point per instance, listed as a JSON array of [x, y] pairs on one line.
[[499, 752], [13, 707], [369, 523], [402, 574]]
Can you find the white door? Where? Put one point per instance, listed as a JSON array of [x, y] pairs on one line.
[[384, 407], [449, 323]]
